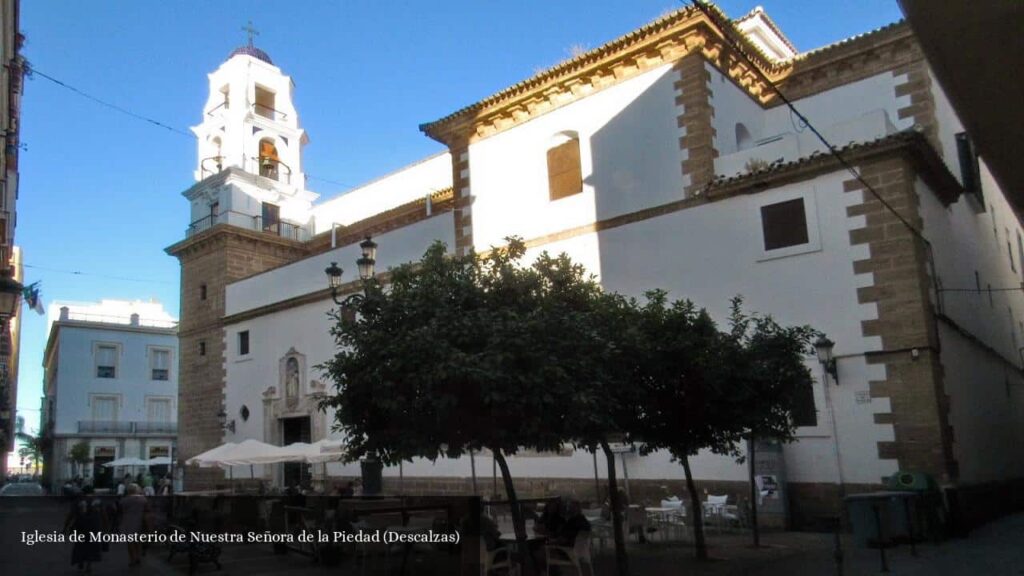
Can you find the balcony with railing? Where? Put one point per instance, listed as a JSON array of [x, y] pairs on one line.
[[280, 227], [133, 320], [126, 427]]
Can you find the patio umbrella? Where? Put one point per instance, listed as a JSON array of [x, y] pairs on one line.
[[213, 457], [130, 461], [158, 461]]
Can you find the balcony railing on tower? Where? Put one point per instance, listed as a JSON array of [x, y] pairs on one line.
[[282, 228]]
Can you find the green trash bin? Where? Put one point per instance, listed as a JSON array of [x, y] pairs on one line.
[[881, 519]]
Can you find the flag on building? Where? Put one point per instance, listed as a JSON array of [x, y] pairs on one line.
[[33, 299]]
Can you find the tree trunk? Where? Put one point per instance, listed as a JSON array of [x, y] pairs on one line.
[[698, 513], [751, 454], [518, 522], [621, 561]]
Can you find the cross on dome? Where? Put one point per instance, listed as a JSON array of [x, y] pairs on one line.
[[252, 32]]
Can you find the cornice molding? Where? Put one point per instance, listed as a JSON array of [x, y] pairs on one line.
[[666, 41]]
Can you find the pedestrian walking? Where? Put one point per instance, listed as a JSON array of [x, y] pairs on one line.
[[134, 512], [85, 517]]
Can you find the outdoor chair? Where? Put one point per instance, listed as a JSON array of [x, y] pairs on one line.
[[498, 560], [719, 513], [575, 556], [636, 521]]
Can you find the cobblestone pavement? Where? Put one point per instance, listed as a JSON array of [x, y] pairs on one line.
[[996, 549]]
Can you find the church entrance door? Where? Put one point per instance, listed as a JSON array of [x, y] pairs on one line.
[[295, 430]]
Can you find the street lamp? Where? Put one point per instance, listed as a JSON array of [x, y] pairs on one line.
[[10, 294], [366, 263], [224, 424], [823, 346]]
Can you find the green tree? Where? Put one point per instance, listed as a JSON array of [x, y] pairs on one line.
[[458, 354], [683, 379], [592, 327], [79, 455], [769, 374], [33, 447]]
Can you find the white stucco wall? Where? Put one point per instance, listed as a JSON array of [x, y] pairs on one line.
[[305, 276], [627, 134], [410, 183], [77, 381]]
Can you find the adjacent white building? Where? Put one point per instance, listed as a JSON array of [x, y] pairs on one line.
[[110, 382], [659, 160]]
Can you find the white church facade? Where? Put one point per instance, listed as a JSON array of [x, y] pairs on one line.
[[659, 160]]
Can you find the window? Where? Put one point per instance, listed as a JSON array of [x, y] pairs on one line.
[[106, 361], [226, 92], [202, 291], [271, 218], [243, 343], [264, 102], [1020, 253], [202, 347], [104, 408], [214, 212], [784, 224], [160, 363], [565, 177], [804, 411], [1009, 251], [970, 175], [158, 409]]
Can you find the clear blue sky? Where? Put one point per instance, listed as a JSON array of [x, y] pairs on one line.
[[101, 192]]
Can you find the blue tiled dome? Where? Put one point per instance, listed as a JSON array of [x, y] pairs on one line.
[[251, 51]]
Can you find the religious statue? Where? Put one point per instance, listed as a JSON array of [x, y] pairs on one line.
[[291, 381]]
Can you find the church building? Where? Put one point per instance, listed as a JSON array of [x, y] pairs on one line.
[[662, 159]]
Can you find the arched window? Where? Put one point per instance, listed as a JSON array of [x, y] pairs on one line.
[[565, 177], [743, 139], [269, 159]]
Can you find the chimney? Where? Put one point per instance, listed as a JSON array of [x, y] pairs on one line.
[[64, 312], [135, 319]]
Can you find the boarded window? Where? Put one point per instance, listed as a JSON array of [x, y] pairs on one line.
[[784, 224], [804, 412], [565, 177], [104, 408], [158, 409]]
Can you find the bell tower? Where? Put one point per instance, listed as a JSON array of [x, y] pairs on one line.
[[250, 212], [249, 121]]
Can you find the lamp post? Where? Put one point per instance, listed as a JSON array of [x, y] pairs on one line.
[[366, 265], [370, 466], [824, 347]]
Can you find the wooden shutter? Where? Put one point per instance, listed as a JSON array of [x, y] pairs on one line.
[[565, 177]]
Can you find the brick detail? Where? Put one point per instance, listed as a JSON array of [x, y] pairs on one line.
[[918, 86], [694, 96], [901, 292], [215, 258], [462, 220]]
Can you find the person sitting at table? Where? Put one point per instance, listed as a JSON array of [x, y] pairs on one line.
[[573, 522], [551, 519]]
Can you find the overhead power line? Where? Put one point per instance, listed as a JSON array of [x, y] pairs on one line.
[[96, 275], [726, 28], [35, 72]]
